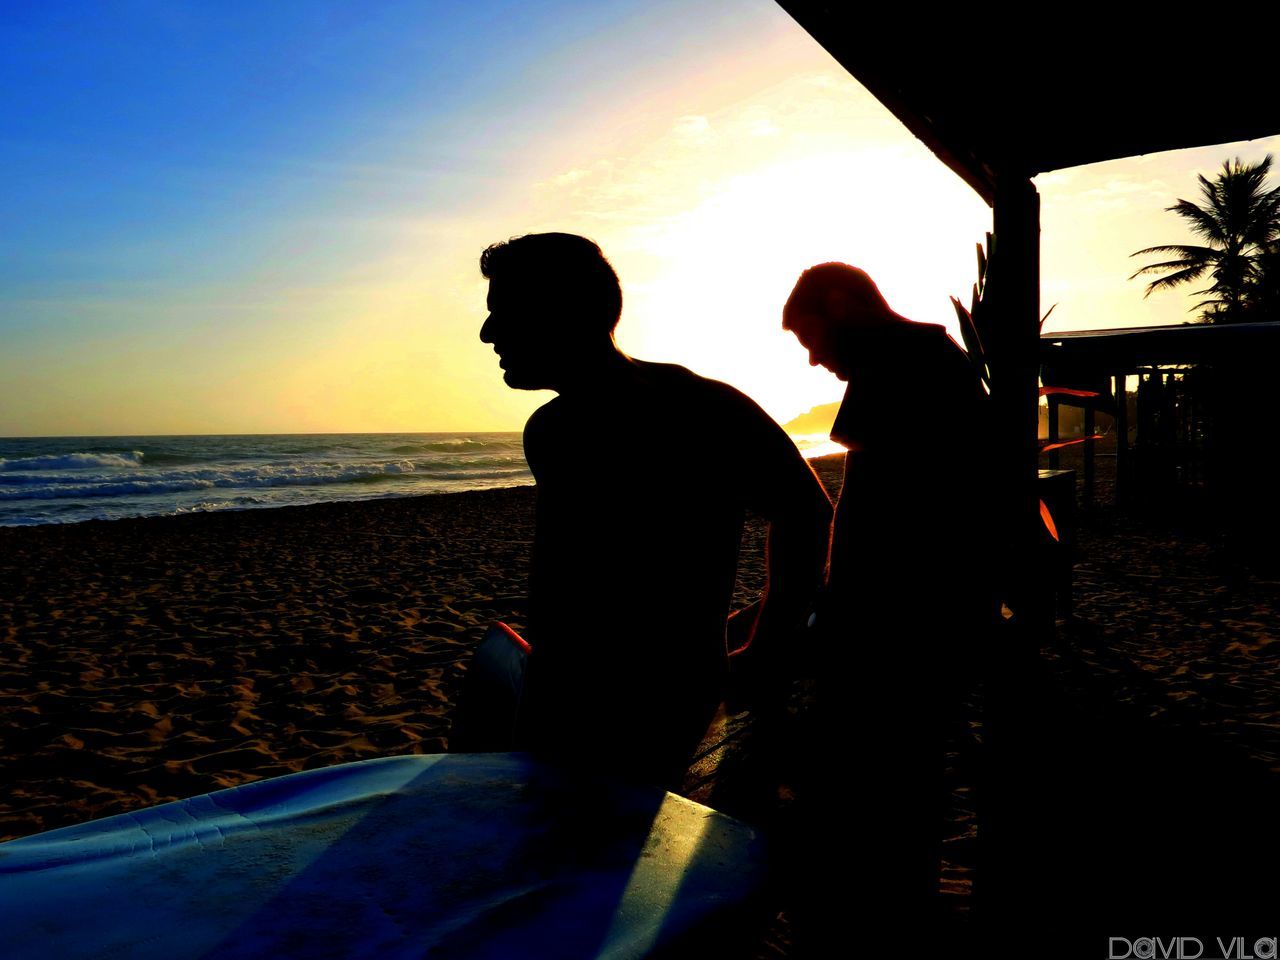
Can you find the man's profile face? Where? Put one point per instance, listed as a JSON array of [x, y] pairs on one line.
[[522, 326], [816, 334]]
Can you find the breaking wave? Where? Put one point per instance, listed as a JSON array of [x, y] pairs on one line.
[[176, 481], [74, 461], [461, 445], [59, 480]]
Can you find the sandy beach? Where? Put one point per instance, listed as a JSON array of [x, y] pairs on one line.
[[1171, 622], [150, 659]]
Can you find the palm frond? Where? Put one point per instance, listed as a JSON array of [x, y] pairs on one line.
[[1185, 249], [1205, 223], [1184, 264], [1172, 280], [1203, 304]]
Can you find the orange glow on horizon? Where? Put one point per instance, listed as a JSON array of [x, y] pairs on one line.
[[812, 446]]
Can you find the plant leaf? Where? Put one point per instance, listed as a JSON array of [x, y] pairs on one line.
[[1046, 316], [1047, 517]]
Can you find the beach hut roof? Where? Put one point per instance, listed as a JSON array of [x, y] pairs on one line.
[[1128, 348], [1076, 89]]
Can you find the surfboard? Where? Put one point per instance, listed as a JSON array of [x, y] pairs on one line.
[[462, 856], [486, 714]]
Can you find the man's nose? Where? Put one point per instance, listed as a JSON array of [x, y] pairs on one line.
[[486, 330], [813, 359]]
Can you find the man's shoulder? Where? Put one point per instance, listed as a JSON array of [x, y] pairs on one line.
[[544, 426], [696, 387], [942, 343], [545, 416], [741, 427]]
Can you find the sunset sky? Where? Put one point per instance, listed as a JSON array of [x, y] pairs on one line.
[[235, 218]]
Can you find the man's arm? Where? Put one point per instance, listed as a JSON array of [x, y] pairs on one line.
[[540, 441], [542, 452], [782, 487]]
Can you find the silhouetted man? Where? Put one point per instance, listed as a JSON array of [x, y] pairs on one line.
[[909, 583], [644, 471]]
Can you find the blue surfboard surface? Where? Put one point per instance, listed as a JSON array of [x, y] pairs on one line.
[[454, 855]]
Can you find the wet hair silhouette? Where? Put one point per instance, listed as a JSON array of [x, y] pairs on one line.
[[563, 267], [836, 292]]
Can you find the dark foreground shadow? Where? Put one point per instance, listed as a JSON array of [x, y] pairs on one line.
[[1099, 822]]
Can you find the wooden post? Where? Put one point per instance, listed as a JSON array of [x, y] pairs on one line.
[[1090, 427], [1122, 436], [1008, 815], [1014, 391], [1054, 459]]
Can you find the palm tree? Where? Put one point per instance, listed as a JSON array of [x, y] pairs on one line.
[[1239, 222], [1264, 298]]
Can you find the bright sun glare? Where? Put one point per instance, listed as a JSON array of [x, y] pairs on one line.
[[728, 264]]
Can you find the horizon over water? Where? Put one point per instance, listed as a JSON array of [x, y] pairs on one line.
[[70, 479]]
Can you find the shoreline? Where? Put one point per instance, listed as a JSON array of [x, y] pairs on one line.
[[248, 507], [46, 480], [261, 507]]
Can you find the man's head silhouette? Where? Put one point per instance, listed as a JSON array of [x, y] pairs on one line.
[[553, 303], [834, 309]]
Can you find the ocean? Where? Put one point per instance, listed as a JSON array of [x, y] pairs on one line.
[[68, 479]]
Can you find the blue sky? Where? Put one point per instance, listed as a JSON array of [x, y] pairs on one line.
[[241, 217], [172, 141]]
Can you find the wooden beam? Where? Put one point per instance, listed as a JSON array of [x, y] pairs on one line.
[[880, 68]]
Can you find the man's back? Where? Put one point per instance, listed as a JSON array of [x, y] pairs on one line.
[[641, 500], [916, 473]]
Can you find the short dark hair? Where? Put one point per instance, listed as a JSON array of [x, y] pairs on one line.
[[833, 290], [571, 266]]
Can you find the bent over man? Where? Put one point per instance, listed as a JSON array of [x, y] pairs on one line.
[[909, 598]]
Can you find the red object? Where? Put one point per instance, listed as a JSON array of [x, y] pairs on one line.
[[1069, 443], [1047, 517], [1068, 391], [514, 637]]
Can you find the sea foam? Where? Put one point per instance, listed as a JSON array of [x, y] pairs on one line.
[[74, 461], [66, 479], [27, 486]]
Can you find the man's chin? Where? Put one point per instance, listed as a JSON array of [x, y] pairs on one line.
[[516, 381]]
